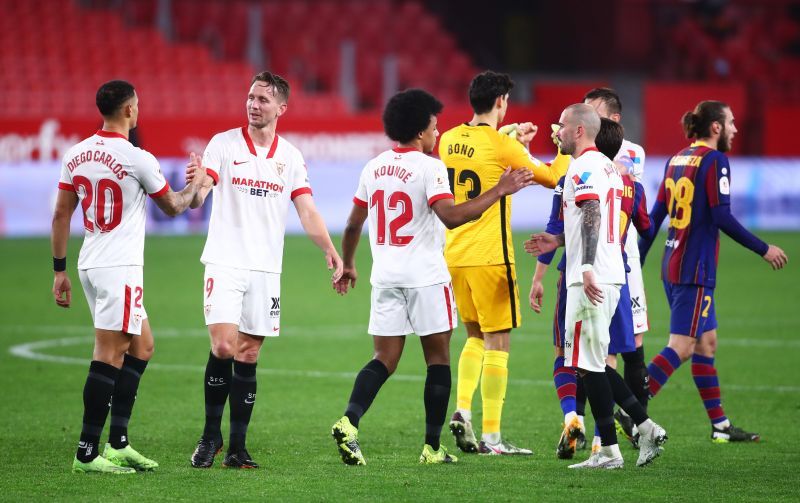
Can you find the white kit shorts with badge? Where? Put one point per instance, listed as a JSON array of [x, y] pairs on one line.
[[116, 297], [638, 299], [423, 311], [249, 299], [587, 327]]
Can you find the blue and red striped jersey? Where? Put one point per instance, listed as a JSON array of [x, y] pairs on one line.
[[696, 180], [634, 210]]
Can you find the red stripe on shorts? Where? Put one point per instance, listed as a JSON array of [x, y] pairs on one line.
[[126, 314], [576, 343], [698, 307], [449, 307]]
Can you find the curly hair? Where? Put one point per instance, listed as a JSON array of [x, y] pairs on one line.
[[408, 113]]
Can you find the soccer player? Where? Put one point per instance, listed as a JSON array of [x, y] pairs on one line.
[[406, 196], [255, 174], [480, 255], [695, 195], [630, 159], [111, 178], [608, 141], [595, 272]]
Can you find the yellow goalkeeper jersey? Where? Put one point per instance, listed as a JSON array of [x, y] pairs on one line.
[[475, 157]]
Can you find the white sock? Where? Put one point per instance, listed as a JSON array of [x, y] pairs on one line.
[[580, 420], [646, 427], [568, 417], [722, 425], [466, 414], [611, 451], [491, 438]]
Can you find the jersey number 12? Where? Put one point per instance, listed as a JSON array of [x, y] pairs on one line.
[[395, 200]]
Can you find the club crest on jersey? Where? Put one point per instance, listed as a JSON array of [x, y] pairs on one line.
[[582, 179], [279, 167]]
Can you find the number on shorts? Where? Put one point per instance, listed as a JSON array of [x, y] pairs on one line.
[[707, 300], [395, 199], [105, 186], [137, 300], [209, 286]]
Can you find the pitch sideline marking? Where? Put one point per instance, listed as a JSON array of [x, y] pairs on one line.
[[30, 351]]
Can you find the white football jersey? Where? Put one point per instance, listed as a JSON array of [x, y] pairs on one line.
[[398, 188], [253, 188], [632, 155], [593, 176], [112, 179]]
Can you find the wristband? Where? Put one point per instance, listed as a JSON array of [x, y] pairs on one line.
[[59, 264], [587, 268]]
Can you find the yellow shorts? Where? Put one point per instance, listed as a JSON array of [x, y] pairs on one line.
[[487, 295]]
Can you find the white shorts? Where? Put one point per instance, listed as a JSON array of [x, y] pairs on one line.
[[249, 299], [587, 327], [638, 299], [116, 297], [422, 311]]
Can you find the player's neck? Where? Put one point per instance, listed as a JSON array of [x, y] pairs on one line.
[[712, 141], [582, 146], [117, 127], [262, 137], [415, 145], [487, 118]]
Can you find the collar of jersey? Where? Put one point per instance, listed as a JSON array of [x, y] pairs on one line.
[[252, 148], [403, 150], [699, 143], [587, 149], [109, 134]]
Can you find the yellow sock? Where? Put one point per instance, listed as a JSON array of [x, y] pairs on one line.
[[493, 389], [469, 372]]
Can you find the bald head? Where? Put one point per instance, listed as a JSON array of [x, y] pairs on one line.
[[580, 124]]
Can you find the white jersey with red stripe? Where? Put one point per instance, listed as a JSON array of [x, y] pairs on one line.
[[252, 192], [593, 176], [112, 179], [407, 239]]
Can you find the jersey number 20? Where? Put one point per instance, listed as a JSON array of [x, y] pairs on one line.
[[395, 199], [98, 195]]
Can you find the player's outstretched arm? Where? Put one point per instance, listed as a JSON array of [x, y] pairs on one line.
[[174, 203], [350, 239], [657, 216], [194, 165], [66, 202], [452, 215], [315, 228], [537, 288], [724, 219], [543, 243]]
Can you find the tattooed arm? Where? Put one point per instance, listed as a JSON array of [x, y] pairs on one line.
[[590, 233]]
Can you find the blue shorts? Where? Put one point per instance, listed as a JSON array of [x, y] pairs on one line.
[[621, 329], [691, 309], [561, 311]]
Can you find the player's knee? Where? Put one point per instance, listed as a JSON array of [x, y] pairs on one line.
[[389, 361], [222, 349], [247, 355], [142, 352]]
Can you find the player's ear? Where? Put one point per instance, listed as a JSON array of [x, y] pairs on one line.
[[282, 108]]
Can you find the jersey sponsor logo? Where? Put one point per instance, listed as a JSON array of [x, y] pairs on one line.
[[236, 163], [724, 186], [672, 243], [632, 157], [559, 189], [261, 188], [582, 179]]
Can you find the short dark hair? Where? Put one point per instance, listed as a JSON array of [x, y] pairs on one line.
[[609, 97], [697, 123], [112, 95], [408, 113], [486, 87], [609, 138], [279, 85]]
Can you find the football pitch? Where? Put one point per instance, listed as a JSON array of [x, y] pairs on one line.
[[305, 377]]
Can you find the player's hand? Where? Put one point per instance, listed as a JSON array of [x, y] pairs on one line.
[[513, 180], [536, 296], [590, 288], [62, 289], [334, 263], [346, 281], [554, 128], [540, 243], [776, 257], [195, 172], [509, 130], [525, 133]]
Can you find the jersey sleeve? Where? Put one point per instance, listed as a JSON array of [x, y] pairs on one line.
[[361, 198], [299, 181], [514, 154], [149, 174], [213, 158], [65, 180], [437, 185], [718, 182]]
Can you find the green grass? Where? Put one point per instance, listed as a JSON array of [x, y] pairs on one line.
[[305, 377]]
